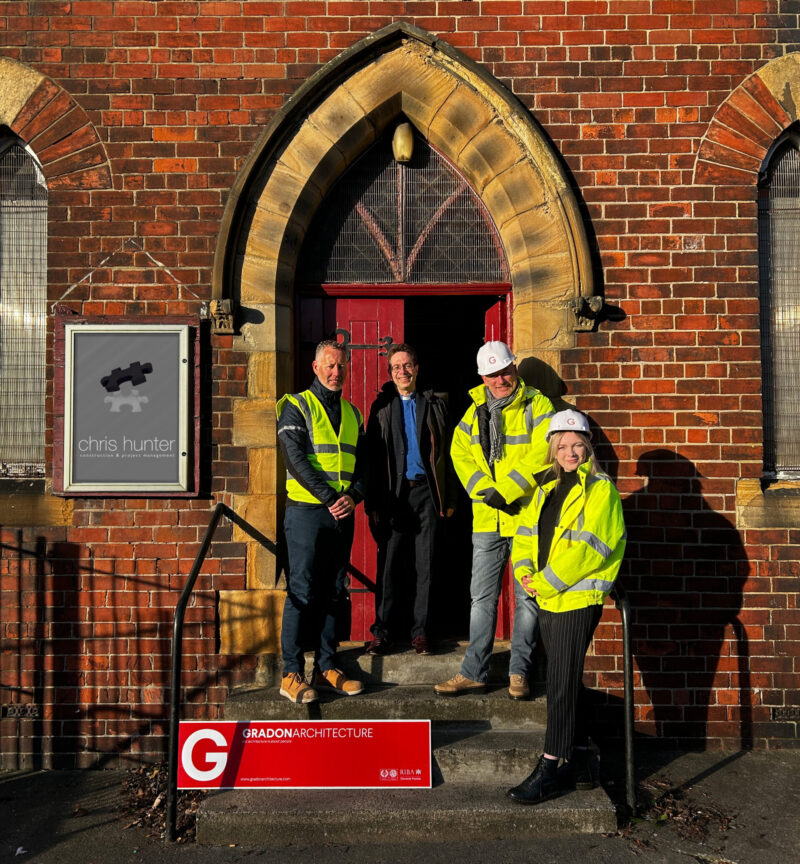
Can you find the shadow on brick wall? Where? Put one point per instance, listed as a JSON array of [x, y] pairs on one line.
[[685, 569]]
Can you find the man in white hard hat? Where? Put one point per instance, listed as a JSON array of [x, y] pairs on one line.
[[506, 423]]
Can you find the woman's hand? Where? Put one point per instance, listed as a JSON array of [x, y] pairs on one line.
[[527, 584]]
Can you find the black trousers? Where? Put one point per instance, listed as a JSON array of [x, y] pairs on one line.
[[413, 523], [566, 637]]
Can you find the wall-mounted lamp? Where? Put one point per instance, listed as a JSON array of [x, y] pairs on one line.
[[403, 143]]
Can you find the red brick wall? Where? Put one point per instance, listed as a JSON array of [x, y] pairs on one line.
[[177, 92]]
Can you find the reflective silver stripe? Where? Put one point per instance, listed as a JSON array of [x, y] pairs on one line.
[[346, 475], [591, 478], [523, 562], [305, 408], [347, 448], [463, 427], [326, 448], [331, 475], [473, 481], [542, 417], [518, 479], [518, 439], [550, 575], [596, 543], [532, 422], [591, 540], [290, 429], [475, 439], [528, 531], [593, 585]]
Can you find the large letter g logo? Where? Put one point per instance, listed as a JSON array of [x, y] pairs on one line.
[[218, 760]]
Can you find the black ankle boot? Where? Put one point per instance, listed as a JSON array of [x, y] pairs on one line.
[[539, 786], [581, 769]]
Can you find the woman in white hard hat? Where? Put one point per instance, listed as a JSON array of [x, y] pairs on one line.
[[567, 552]]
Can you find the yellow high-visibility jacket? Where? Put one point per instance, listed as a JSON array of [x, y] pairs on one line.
[[331, 454], [525, 424], [587, 547]]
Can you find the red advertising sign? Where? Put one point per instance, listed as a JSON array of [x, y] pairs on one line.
[[297, 754]]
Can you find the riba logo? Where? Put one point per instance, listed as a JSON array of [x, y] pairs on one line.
[[217, 758]]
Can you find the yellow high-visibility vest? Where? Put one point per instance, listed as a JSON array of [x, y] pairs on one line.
[[586, 550], [525, 424], [333, 455]]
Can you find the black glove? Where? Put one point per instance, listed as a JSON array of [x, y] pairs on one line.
[[492, 498]]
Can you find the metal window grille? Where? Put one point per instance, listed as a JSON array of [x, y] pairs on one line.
[[23, 311], [412, 223], [779, 275]]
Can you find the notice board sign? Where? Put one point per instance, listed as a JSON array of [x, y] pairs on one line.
[[296, 754], [126, 408]]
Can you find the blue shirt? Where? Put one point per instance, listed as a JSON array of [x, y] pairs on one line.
[[414, 466]]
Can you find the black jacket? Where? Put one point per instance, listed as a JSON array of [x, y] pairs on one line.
[[386, 449]]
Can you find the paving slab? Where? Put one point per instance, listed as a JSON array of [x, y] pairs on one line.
[[78, 817], [267, 817]]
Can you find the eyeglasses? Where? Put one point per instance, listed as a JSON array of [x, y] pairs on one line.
[[399, 367]]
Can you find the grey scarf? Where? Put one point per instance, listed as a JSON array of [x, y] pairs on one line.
[[496, 437]]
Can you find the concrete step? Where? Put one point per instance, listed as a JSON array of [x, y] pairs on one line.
[[403, 665], [492, 710], [446, 813], [467, 756], [482, 744]]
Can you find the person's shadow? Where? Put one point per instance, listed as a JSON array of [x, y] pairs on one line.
[[685, 570]]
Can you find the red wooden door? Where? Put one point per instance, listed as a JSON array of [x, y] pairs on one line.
[[369, 325], [498, 327]]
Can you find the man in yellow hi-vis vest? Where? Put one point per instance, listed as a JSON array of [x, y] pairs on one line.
[[321, 438], [505, 426]]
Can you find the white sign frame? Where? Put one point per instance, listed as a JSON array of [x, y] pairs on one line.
[[179, 485]]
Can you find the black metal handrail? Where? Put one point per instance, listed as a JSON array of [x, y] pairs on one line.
[[624, 606], [177, 650]]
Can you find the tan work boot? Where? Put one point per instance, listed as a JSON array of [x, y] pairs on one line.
[[335, 679], [459, 684], [518, 687], [295, 689]]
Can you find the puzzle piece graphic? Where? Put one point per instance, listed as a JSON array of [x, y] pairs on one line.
[[132, 399], [135, 373]]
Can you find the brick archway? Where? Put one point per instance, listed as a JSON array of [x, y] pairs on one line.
[[55, 127], [747, 123], [491, 139], [49, 121]]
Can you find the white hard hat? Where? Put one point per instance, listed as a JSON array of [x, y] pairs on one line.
[[569, 421], [494, 356]]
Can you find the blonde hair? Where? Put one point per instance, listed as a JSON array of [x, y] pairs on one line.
[[552, 449]]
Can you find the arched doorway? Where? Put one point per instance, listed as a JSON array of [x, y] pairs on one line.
[[491, 141], [405, 251]]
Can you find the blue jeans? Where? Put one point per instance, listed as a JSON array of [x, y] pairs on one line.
[[490, 553], [316, 596]]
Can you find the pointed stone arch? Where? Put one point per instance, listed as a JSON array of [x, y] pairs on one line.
[[334, 117], [465, 114]]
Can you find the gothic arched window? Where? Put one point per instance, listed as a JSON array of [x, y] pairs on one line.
[[23, 309], [386, 222]]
